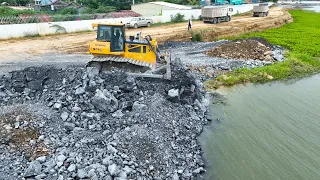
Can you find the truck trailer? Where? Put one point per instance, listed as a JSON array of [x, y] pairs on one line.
[[261, 10], [216, 14], [231, 2]]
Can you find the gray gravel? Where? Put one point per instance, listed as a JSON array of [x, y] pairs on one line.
[[113, 127]]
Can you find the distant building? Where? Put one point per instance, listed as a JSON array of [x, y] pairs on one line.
[[156, 8], [52, 5], [124, 13]]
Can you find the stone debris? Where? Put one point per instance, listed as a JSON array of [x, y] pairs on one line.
[[105, 101], [252, 48], [136, 107], [173, 95], [113, 169], [64, 116], [69, 126], [87, 125], [194, 55], [82, 173], [78, 123], [33, 169]]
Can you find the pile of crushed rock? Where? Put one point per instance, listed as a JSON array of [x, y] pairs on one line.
[[77, 123], [251, 48], [195, 56]]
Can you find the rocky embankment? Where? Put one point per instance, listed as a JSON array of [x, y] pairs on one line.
[[209, 59], [252, 48], [75, 123]]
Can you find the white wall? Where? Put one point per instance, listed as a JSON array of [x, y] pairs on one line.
[[238, 9], [20, 30], [149, 9], [17, 30], [166, 14]]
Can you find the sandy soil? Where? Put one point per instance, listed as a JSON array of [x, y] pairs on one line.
[[24, 49]]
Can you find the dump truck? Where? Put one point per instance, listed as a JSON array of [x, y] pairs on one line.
[[136, 56], [261, 10], [236, 2], [232, 2], [216, 14], [219, 2]]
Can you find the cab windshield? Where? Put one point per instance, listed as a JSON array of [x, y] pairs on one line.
[[104, 33], [113, 34]]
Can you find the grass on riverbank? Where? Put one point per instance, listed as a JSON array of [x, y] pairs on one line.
[[300, 37]]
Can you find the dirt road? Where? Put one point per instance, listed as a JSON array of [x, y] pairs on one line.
[[25, 49]]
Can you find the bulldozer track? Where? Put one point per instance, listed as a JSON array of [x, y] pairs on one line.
[[124, 64], [131, 66], [122, 60]]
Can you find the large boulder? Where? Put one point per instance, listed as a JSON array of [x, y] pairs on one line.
[[113, 169], [136, 107], [105, 101], [173, 95], [92, 72], [33, 169]]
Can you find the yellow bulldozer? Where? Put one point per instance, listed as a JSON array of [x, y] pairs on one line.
[[136, 56]]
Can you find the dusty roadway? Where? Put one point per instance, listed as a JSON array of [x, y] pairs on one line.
[[51, 46]]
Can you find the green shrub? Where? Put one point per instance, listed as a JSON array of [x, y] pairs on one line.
[[193, 2], [69, 11], [196, 36], [31, 35], [88, 10], [105, 9], [85, 17], [177, 18], [6, 11], [101, 9]]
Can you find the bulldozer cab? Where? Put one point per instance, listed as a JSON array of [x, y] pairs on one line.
[[114, 34]]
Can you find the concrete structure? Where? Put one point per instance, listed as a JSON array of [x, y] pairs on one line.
[[45, 28], [156, 8]]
